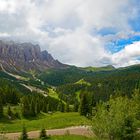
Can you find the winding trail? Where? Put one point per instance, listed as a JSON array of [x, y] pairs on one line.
[[78, 130]]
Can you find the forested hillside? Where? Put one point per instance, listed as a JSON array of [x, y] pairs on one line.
[[100, 84], [90, 92]]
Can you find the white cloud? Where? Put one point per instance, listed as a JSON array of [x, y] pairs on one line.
[[130, 55], [73, 48], [68, 28], [7, 6]]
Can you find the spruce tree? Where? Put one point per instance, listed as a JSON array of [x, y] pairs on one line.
[[43, 134], [9, 112], [62, 107], [1, 108], [37, 107], [67, 107], [84, 105], [24, 135], [25, 106], [76, 105], [33, 108]]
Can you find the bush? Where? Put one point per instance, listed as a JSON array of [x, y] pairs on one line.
[[115, 119]]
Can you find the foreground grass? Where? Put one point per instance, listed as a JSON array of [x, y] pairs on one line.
[[72, 137], [56, 120], [68, 137]]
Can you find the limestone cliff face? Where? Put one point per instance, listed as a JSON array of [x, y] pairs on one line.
[[25, 57]]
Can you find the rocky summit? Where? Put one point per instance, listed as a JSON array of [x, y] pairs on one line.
[[25, 57]]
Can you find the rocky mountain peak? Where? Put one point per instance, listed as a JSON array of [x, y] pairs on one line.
[[26, 56]]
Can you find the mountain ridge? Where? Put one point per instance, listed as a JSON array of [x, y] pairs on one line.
[[26, 57]]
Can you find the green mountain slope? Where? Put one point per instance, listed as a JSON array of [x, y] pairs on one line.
[[99, 84], [57, 77]]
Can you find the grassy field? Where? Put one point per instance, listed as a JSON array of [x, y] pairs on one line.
[[56, 120], [52, 93], [69, 137]]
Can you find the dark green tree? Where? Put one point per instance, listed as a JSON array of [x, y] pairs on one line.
[[43, 134], [76, 106], [24, 135], [9, 111], [61, 107], [67, 107], [38, 107], [84, 105], [1, 107], [128, 131], [25, 106], [33, 108]]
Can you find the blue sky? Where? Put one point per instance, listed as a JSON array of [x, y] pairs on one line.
[[118, 45], [77, 32]]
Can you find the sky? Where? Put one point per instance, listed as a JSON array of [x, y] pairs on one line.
[[76, 32]]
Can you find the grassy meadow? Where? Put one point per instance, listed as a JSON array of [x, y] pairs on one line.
[[69, 137], [47, 121]]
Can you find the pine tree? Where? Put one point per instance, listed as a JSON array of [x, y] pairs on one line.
[[67, 107], [9, 112], [24, 135], [37, 107], [25, 106], [1, 107], [62, 107], [84, 105], [43, 134], [33, 108], [76, 105], [45, 106]]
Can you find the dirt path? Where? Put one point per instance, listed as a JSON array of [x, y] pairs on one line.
[[79, 130], [31, 88]]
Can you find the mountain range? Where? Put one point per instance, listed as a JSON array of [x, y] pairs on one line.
[[15, 57], [27, 61]]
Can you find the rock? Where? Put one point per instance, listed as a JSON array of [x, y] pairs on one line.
[[25, 57]]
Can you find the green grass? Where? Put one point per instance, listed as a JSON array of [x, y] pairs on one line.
[[75, 137], [105, 68], [69, 137], [52, 93], [83, 82], [56, 120]]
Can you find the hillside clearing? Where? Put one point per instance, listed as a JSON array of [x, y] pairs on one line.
[[47, 121]]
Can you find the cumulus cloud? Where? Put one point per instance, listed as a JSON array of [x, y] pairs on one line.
[[69, 29], [74, 45], [128, 56]]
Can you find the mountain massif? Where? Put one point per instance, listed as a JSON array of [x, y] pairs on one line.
[[25, 57], [18, 60]]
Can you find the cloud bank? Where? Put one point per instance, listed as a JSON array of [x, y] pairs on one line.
[[76, 32]]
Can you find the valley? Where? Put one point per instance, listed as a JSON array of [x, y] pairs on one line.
[[46, 94]]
